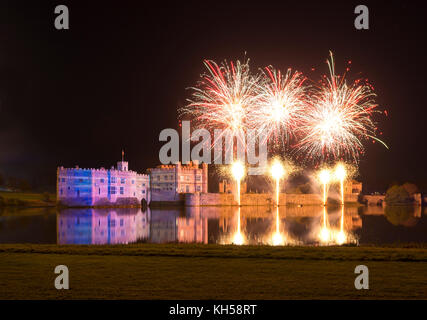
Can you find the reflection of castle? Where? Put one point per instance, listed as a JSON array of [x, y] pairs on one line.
[[193, 229], [102, 226], [92, 187], [195, 225], [169, 226]]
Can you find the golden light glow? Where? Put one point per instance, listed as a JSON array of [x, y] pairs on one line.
[[341, 237], [277, 170], [238, 237], [325, 176], [324, 235], [237, 170], [340, 172], [278, 239]]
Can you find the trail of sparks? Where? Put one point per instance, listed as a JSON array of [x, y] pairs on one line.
[[279, 106], [222, 97], [338, 119], [326, 122]]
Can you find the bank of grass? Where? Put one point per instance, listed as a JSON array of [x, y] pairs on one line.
[[179, 271], [27, 199]]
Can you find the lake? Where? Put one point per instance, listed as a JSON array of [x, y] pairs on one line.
[[308, 225]]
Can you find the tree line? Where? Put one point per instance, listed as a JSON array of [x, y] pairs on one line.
[[14, 183]]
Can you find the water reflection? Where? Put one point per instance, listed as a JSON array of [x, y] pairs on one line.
[[102, 226], [224, 225], [254, 225]]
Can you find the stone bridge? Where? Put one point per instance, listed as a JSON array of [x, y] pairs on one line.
[[374, 199]]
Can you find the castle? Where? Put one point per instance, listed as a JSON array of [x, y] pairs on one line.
[[170, 182], [101, 187]]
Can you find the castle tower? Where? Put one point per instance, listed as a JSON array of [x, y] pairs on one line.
[[205, 177], [123, 165]]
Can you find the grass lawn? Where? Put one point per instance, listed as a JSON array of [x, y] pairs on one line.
[[179, 271]]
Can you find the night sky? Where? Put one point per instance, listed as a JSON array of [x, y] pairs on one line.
[[116, 78]]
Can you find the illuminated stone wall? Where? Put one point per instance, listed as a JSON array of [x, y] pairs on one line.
[[257, 199]]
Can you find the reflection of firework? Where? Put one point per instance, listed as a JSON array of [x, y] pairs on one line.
[[279, 105], [221, 99], [338, 119]]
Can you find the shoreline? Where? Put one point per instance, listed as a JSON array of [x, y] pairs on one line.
[[175, 205]]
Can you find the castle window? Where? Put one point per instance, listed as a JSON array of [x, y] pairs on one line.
[[99, 190], [198, 178], [102, 180], [63, 179], [121, 222], [133, 181], [198, 188], [122, 180], [112, 190], [113, 223], [121, 190], [61, 191], [143, 191], [113, 179]]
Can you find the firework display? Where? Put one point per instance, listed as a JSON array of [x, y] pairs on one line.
[[222, 97], [280, 105], [322, 122], [338, 118]]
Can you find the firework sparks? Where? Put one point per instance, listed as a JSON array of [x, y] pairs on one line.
[[326, 122], [279, 105], [222, 97], [277, 172], [338, 119]]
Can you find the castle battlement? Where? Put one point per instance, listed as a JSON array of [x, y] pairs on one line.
[[99, 186], [102, 170], [178, 178]]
